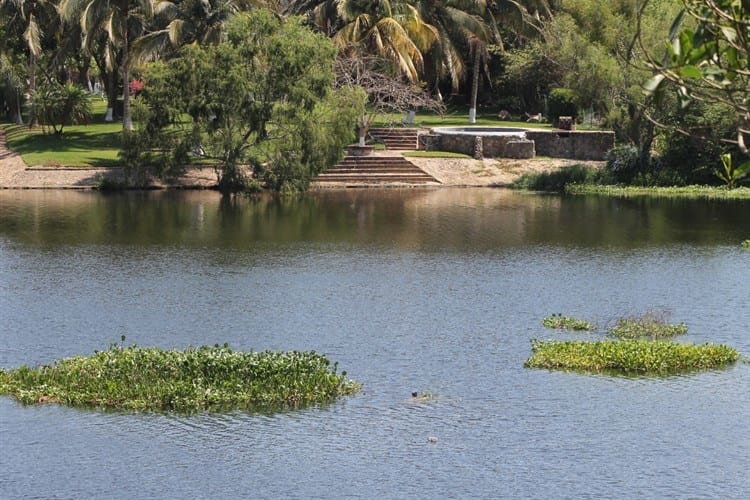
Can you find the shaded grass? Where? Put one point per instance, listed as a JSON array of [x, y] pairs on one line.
[[95, 144], [205, 378], [435, 154], [629, 356], [702, 192], [452, 118]]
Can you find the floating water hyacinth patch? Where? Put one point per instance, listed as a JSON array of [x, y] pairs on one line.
[[640, 357], [651, 324], [560, 322], [205, 378]]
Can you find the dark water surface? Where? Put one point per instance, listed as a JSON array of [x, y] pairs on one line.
[[417, 290]]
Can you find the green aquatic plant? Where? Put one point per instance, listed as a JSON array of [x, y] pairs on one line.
[[689, 192], [205, 378], [643, 357], [648, 325], [746, 244], [560, 322]]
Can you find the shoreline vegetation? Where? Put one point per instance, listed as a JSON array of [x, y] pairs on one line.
[[195, 379], [691, 192]]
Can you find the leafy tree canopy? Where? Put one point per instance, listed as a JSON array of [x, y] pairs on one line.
[[262, 98]]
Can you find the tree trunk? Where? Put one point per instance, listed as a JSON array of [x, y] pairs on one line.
[[127, 123], [474, 87], [111, 96], [16, 108], [364, 127], [33, 119]]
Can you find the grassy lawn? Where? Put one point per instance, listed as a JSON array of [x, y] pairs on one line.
[[95, 144], [434, 154], [453, 118]]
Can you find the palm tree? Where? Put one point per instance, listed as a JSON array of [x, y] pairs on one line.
[[389, 29], [28, 14], [182, 22], [122, 21]]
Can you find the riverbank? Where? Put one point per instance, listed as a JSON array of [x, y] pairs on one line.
[[454, 172]]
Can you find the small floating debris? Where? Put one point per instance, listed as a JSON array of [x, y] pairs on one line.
[[421, 397]]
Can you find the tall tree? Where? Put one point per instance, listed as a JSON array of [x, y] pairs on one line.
[[182, 22], [122, 21], [31, 17], [392, 30]]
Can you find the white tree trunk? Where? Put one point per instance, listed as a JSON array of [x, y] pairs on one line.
[[474, 87], [127, 122]]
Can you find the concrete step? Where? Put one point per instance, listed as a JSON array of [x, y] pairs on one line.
[[353, 181], [396, 138], [363, 170]]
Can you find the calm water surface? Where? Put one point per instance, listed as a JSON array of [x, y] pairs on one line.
[[417, 290]]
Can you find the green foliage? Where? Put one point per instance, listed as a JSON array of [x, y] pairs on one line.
[[629, 356], [649, 325], [560, 322], [623, 163], [562, 102], [206, 378], [262, 99], [691, 146], [556, 180], [745, 244], [696, 192], [61, 104], [732, 174]]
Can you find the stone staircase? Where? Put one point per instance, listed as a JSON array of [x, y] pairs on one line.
[[373, 170], [396, 138]]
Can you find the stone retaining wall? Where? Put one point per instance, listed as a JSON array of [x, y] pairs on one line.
[[574, 145]]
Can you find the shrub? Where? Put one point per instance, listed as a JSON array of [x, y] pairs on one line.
[[562, 102], [623, 163], [557, 180], [62, 104], [629, 356], [205, 378], [694, 158]]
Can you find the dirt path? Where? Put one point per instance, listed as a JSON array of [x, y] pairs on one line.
[[495, 172], [15, 174]]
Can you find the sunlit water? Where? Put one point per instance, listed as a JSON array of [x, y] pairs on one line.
[[417, 290]]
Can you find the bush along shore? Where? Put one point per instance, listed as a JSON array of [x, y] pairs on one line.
[[640, 346], [195, 379]]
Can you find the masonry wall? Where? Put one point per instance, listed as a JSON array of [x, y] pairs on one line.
[[575, 145]]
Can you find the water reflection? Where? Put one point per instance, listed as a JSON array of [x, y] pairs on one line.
[[417, 219]]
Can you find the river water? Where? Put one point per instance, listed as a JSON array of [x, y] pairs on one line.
[[437, 290]]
